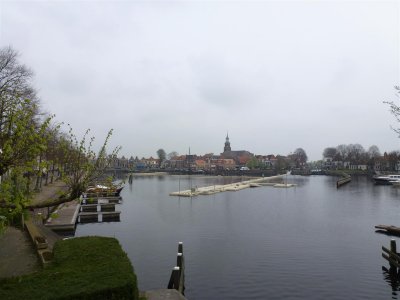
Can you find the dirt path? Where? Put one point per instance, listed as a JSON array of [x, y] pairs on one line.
[[17, 254]]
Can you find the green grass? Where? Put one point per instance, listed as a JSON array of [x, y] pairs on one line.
[[83, 268]]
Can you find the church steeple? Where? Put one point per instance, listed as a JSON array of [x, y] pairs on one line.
[[227, 144]]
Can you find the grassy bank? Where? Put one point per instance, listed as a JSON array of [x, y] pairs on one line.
[[83, 268]]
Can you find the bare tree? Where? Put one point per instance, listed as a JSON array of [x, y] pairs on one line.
[[172, 155], [161, 156], [395, 109], [373, 152], [356, 153], [83, 165], [300, 156], [330, 152], [21, 126], [342, 152]]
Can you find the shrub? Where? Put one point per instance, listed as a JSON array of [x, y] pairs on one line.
[[83, 268]]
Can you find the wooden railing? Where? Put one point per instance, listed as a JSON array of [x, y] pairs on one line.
[[392, 275], [391, 255], [177, 278]]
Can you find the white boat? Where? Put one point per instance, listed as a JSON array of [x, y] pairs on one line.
[[387, 179]]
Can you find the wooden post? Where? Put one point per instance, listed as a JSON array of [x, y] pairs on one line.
[[179, 260], [393, 249], [180, 247], [172, 278], [176, 280]]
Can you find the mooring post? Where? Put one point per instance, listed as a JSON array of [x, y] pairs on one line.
[[176, 281], [176, 277], [180, 247], [393, 249], [179, 260]]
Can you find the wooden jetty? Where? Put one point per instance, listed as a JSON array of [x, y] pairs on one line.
[[284, 185], [64, 217], [96, 200], [237, 186], [388, 229], [344, 180], [101, 209], [99, 216], [391, 254], [98, 207]]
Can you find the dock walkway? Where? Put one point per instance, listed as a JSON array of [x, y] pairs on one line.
[[237, 186], [67, 213], [163, 294]]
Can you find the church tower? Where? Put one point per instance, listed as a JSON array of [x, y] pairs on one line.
[[227, 144]]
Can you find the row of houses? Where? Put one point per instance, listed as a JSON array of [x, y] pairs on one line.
[[228, 160], [379, 164], [207, 162]]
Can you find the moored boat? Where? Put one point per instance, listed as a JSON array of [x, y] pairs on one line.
[[386, 179], [103, 190]]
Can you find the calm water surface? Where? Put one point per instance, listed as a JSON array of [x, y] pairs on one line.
[[308, 242]]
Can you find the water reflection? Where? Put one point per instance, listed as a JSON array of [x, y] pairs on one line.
[[392, 277]]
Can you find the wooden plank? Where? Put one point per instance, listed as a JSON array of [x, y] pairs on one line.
[[97, 204], [343, 181], [395, 255], [391, 261], [99, 213]]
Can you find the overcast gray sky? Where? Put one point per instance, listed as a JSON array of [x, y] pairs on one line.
[[277, 75]]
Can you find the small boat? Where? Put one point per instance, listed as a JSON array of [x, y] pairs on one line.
[[102, 190], [386, 179]]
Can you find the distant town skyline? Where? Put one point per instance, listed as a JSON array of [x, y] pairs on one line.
[[277, 75]]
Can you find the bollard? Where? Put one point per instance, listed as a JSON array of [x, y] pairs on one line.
[[180, 247], [179, 260], [172, 284], [176, 280], [176, 277]]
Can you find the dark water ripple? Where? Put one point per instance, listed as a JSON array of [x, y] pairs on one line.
[[308, 242]]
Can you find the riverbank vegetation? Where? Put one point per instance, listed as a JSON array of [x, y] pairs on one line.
[[34, 149], [83, 268]]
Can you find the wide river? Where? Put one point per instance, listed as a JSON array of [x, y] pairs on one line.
[[311, 241]]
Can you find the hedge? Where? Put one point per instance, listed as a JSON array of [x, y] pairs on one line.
[[83, 268]]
